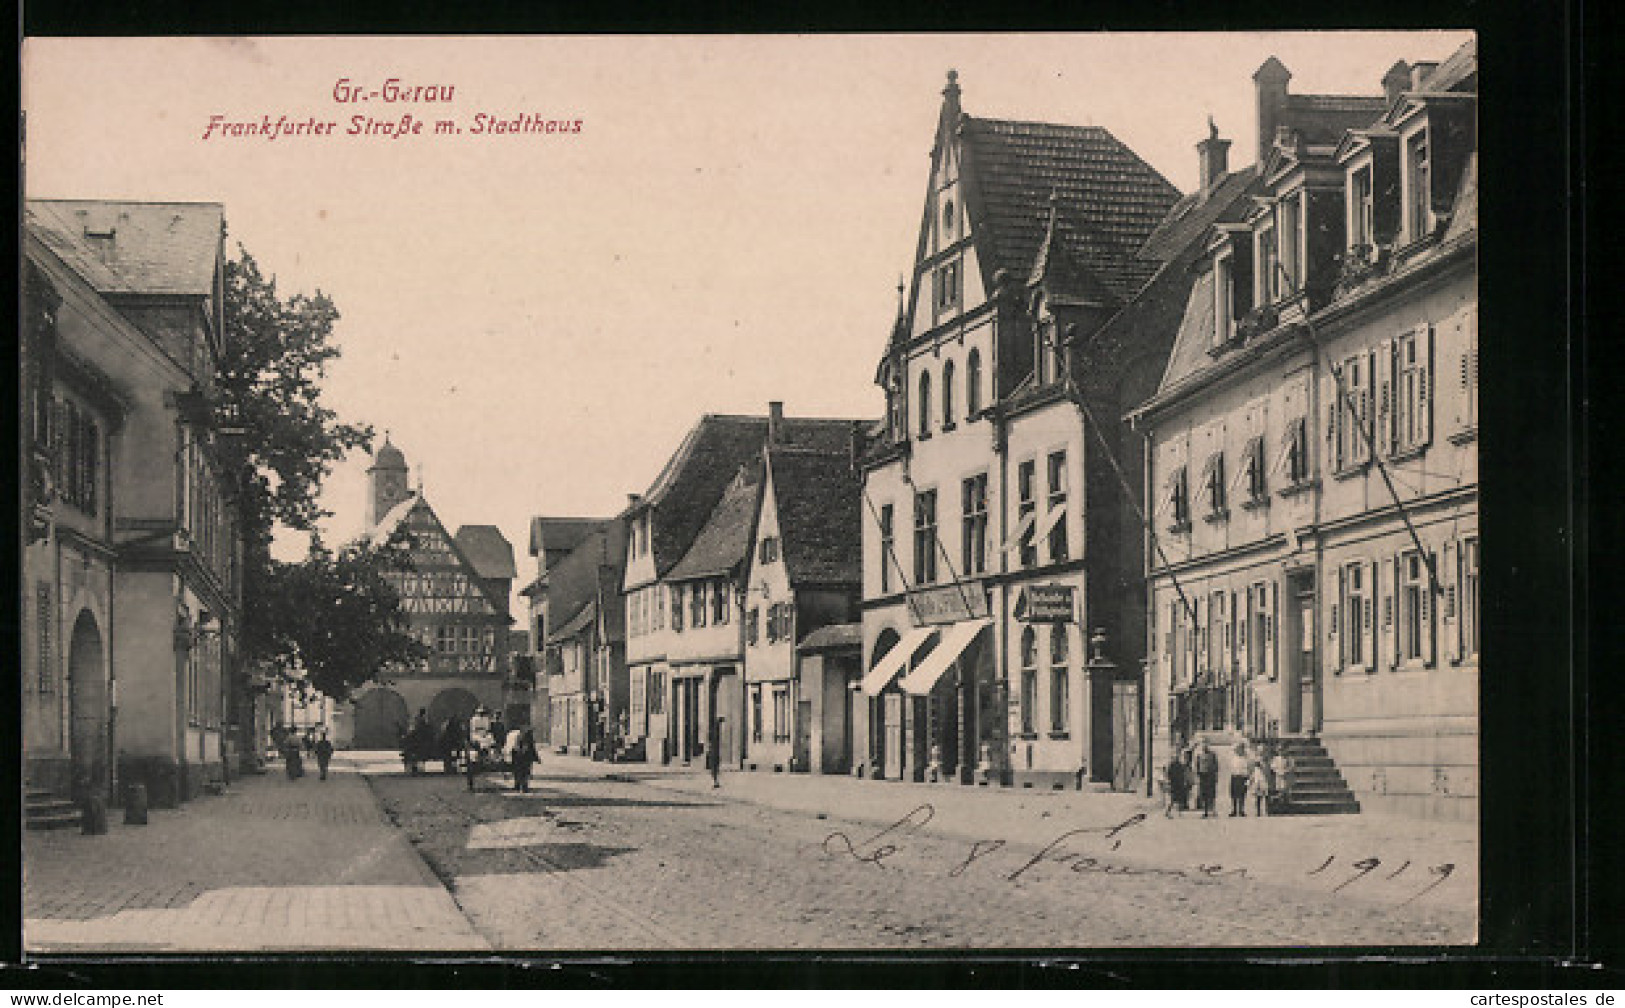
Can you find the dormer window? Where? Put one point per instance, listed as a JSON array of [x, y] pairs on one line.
[[1224, 299], [1269, 273], [1418, 187], [1290, 210], [1362, 210]]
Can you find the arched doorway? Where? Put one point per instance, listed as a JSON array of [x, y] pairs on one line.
[[455, 702], [380, 719], [87, 701]]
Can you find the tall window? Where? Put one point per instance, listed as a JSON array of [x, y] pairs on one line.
[[1420, 181], [945, 280], [1469, 596], [657, 692], [1214, 485], [45, 615], [1469, 369], [77, 445], [719, 602], [1179, 499], [1057, 507], [1356, 614], [1257, 628], [699, 603], [1269, 276], [756, 712], [1060, 686], [1291, 253], [1296, 451], [973, 532], [1413, 607], [781, 714], [677, 608], [1027, 496], [1216, 650], [925, 537], [1174, 643], [1353, 411], [1362, 210], [948, 395], [768, 551], [1224, 304], [1029, 680], [888, 546], [753, 626], [1252, 461], [1411, 395], [973, 384], [925, 404]]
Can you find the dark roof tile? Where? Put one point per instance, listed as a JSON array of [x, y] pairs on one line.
[[153, 248], [817, 495], [488, 550]]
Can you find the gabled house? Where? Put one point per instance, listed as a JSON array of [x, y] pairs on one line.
[[551, 540], [1312, 455], [801, 588], [583, 655], [663, 524], [982, 490], [456, 606]]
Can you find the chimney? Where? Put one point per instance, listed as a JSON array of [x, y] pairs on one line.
[[1213, 157], [632, 500], [775, 421], [1420, 72], [1270, 83], [1396, 81]]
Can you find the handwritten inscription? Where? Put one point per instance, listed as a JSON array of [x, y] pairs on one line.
[[1064, 851], [485, 122]]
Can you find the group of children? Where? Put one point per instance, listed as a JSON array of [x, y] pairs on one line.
[[1263, 773]]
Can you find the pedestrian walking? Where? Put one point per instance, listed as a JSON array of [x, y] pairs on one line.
[[292, 761], [713, 751], [1178, 785], [450, 744], [499, 737], [522, 755], [1258, 783], [324, 753], [1239, 772], [1207, 779]]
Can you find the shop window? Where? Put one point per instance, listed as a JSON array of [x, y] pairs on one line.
[[1029, 680]]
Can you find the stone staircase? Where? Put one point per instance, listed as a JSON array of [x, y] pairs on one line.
[[1318, 787], [45, 810]]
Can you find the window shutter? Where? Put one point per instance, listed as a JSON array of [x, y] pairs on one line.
[[1334, 444], [1430, 635], [1448, 617], [1370, 616], [1424, 384], [1387, 409], [1270, 658], [1339, 609], [1382, 655]]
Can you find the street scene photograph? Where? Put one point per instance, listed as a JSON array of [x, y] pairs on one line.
[[865, 493]]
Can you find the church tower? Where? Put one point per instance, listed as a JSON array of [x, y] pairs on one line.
[[387, 475]]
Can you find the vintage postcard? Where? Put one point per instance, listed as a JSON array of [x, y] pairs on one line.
[[841, 492]]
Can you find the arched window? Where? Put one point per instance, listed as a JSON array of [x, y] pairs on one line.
[[973, 384], [925, 404], [1029, 680], [948, 394]]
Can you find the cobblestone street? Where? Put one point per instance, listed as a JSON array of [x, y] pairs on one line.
[[647, 858]]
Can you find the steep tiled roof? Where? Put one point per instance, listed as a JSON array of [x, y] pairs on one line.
[[817, 496], [693, 480], [1110, 199], [833, 637], [1193, 215], [154, 248], [1457, 73], [488, 550], [1464, 216], [560, 534], [575, 580], [725, 540], [1195, 334], [1323, 119], [578, 621]]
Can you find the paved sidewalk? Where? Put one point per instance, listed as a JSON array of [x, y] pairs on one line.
[[273, 864], [1285, 850]]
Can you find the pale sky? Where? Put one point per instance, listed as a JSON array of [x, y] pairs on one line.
[[537, 319]]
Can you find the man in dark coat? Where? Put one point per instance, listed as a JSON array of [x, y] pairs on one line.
[[713, 751], [324, 753], [1207, 779]]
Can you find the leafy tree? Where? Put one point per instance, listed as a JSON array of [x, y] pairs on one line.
[[334, 613], [337, 615]]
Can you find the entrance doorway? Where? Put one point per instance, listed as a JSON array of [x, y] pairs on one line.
[[1298, 652], [87, 702], [380, 719], [1128, 767]]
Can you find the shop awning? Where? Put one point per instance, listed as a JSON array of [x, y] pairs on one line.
[[955, 639], [886, 669]]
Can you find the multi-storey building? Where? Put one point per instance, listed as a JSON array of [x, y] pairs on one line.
[[584, 650], [455, 596], [1312, 453], [551, 540], [990, 533], [131, 549], [662, 525], [800, 590]]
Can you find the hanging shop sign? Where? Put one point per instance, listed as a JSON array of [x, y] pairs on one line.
[[1045, 604]]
